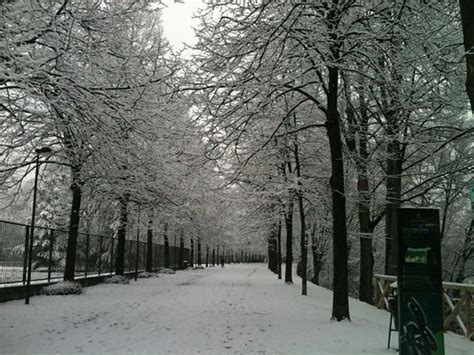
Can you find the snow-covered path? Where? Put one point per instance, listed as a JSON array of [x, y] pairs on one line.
[[239, 309]]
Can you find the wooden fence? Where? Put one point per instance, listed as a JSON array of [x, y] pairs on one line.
[[458, 302]]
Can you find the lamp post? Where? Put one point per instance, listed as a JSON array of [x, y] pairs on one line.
[[38, 151]]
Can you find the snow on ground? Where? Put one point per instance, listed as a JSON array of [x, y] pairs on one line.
[[236, 310]]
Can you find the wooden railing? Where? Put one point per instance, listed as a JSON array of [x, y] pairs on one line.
[[458, 309]]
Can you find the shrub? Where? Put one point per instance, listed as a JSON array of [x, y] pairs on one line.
[[117, 279], [62, 288], [167, 271]]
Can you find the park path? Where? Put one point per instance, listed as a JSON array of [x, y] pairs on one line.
[[240, 309]]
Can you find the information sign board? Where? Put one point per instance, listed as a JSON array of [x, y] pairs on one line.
[[420, 312]]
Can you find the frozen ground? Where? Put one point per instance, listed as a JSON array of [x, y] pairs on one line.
[[237, 310]]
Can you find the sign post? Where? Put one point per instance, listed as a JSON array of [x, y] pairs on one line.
[[419, 282]]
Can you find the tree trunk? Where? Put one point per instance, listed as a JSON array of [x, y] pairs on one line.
[[181, 252], [289, 240], [149, 246], [167, 246], [192, 253], [74, 218], [199, 260], [303, 238], [207, 255], [317, 264], [393, 195], [272, 253], [121, 234], [340, 309], [366, 233], [279, 248], [467, 19], [366, 253]]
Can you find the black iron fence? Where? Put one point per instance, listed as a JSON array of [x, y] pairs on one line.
[[95, 254]]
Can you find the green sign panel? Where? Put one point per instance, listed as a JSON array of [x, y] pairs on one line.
[[419, 282]]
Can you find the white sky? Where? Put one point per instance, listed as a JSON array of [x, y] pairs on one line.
[[178, 23]]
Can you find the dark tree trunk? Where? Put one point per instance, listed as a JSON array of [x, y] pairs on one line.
[[181, 252], [121, 234], [213, 258], [149, 246], [289, 240], [366, 253], [207, 255], [279, 248], [317, 264], [303, 238], [393, 194], [74, 218], [218, 258], [272, 257], [269, 254], [167, 246], [192, 253], [467, 19], [340, 309], [199, 259]]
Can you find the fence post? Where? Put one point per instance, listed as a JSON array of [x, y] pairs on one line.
[[87, 254], [50, 261], [100, 254], [25, 252]]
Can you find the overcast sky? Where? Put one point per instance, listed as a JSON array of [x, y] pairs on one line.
[[178, 23]]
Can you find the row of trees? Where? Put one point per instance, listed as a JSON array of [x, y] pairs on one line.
[[96, 82], [328, 116], [312, 119]]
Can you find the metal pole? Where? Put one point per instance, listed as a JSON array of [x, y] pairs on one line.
[[32, 232], [25, 253]]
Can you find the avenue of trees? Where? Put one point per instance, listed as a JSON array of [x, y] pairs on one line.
[[332, 114], [296, 126], [95, 81]]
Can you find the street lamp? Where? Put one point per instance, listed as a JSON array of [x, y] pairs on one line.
[[38, 151]]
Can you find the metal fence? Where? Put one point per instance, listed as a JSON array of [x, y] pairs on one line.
[[95, 254]]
